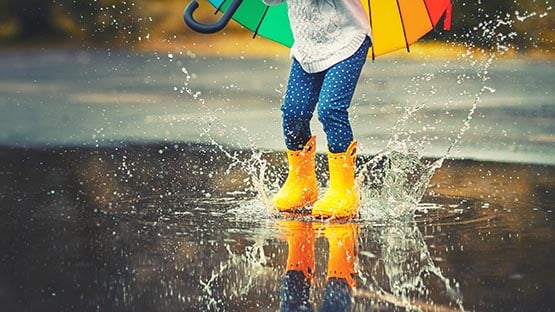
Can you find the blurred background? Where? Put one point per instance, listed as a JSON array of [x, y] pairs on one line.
[[148, 24]]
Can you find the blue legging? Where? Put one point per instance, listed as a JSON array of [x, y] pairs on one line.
[[333, 90]]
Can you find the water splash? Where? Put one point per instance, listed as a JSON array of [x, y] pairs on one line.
[[405, 272], [249, 159], [395, 180], [239, 276], [392, 184]]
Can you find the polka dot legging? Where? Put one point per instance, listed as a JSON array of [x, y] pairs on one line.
[[333, 91]]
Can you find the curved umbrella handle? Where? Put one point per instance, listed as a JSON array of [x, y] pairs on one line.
[[209, 28]]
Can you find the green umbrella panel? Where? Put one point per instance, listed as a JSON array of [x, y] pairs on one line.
[[269, 22]]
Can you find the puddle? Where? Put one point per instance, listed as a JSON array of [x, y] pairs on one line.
[[180, 227]]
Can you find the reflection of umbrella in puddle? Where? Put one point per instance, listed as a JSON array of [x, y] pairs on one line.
[[396, 24]]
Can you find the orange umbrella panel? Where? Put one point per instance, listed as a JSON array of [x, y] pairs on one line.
[[396, 24]]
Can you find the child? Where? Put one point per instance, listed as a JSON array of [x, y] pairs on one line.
[[331, 42]]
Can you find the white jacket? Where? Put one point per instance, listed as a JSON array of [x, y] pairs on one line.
[[325, 32]]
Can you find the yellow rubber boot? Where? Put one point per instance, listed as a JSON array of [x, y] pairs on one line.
[[341, 199], [342, 252], [301, 187]]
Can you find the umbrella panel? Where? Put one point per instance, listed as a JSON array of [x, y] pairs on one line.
[[415, 18], [270, 22], [277, 18]]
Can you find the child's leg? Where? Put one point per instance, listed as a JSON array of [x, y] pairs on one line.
[[341, 199], [335, 98], [301, 187], [299, 104]]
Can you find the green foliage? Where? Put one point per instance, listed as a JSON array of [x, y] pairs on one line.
[[31, 18], [91, 20]]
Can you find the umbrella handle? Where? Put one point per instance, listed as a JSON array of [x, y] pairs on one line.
[[209, 28]]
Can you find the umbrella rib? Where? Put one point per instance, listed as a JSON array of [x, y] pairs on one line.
[[403, 26], [429, 15], [219, 8], [260, 22], [370, 21]]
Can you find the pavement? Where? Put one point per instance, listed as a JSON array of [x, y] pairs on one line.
[[495, 110]]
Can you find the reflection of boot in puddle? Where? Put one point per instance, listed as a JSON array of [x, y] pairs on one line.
[[341, 277], [295, 287]]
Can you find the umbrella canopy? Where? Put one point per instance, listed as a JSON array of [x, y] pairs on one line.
[[396, 24]]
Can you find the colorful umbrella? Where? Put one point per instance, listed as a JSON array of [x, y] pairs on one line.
[[396, 24]]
